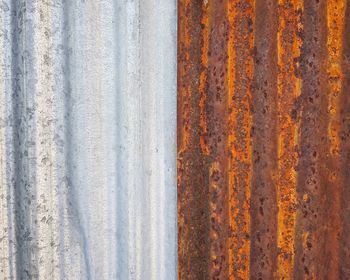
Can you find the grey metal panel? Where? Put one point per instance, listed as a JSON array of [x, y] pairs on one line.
[[87, 139]]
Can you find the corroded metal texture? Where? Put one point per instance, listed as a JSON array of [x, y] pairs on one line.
[[263, 139], [87, 139]]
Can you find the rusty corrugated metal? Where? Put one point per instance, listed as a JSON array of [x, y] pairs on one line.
[[263, 139]]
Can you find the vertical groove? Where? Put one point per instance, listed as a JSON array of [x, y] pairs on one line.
[[216, 111], [344, 152], [264, 156], [193, 215], [7, 256], [313, 170]]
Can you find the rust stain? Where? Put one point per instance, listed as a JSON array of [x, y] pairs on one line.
[[184, 43], [263, 139]]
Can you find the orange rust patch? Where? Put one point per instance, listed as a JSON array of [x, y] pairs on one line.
[[184, 43], [335, 25], [240, 74], [203, 78], [288, 49]]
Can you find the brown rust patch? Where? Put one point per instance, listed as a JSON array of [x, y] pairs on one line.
[[193, 205]]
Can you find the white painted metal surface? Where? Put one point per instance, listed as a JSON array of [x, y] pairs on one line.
[[87, 139]]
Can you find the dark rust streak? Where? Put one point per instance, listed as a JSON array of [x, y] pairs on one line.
[[193, 224], [263, 189], [216, 115], [345, 152], [313, 150]]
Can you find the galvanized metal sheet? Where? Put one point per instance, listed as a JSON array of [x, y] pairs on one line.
[[87, 139], [263, 139]]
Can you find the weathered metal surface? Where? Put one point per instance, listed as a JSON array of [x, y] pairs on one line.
[[263, 139], [87, 139]]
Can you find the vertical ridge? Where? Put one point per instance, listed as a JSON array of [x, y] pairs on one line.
[[289, 87], [335, 29], [240, 74]]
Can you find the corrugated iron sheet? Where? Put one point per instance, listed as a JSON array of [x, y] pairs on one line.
[[87, 139], [263, 139]]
